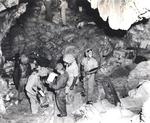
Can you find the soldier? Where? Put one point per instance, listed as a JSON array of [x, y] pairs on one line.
[[89, 67], [73, 71], [25, 73], [59, 87], [32, 87], [63, 7]]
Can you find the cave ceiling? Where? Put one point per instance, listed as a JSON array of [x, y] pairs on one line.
[[121, 14]]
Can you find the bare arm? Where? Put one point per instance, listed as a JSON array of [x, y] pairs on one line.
[[74, 82]]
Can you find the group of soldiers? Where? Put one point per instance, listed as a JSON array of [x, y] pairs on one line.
[[68, 77]]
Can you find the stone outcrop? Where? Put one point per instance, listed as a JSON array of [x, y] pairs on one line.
[[5, 4], [140, 35], [122, 14], [8, 17], [141, 72]]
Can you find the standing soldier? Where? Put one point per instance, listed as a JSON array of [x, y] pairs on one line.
[[25, 73], [63, 7], [73, 71], [89, 67], [59, 86]]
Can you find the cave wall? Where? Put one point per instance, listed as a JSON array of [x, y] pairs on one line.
[[32, 33], [10, 10]]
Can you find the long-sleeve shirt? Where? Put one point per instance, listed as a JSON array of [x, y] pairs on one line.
[[33, 83], [60, 84]]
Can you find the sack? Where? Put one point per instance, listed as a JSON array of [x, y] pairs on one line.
[[44, 102], [69, 98]]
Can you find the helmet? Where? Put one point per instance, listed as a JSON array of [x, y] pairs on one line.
[[43, 71], [24, 59], [59, 66], [88, 49], [68, 58]]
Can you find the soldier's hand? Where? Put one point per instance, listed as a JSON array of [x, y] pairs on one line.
[[83, 74], [50, 85], [71, 88], [86, 73]]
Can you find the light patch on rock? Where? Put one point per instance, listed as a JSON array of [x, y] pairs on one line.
[[137, 97], [104, 112], [141, 72], [10, 3], [146, 111], [2, 7], [121, 14]]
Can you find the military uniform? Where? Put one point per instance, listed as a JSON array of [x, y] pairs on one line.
[[32, 84], [89, 80], [60, 92], [73, 72], [25, 72]]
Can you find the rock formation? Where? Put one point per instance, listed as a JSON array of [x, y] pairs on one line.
[[10, 10], [121, 14]]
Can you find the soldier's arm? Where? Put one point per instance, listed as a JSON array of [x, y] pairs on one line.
[[74, 82], [94, 70], [61, 83], [82, 68], [76, 74]]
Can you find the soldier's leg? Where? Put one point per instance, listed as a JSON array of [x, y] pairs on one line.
[[33, 103], [85, 85], [21, 92], [61, 104], [91, 84]]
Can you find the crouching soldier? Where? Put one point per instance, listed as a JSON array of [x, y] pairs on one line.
[[59, 87], [33, 84]]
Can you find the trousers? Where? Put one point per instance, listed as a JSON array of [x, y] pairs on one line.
[[89, 83], [33, 103], [61, 102]]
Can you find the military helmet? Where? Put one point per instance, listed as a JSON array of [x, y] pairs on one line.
[[68, 58]]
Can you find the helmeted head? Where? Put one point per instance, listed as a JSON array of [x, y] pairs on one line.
[[89, 52], [24, 59], [68, 58], [43, 71], [59, 67]]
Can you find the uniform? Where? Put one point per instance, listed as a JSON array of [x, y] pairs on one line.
[[73, 72], [60, 95], [89, 80], [25, 72], [32, 84]]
